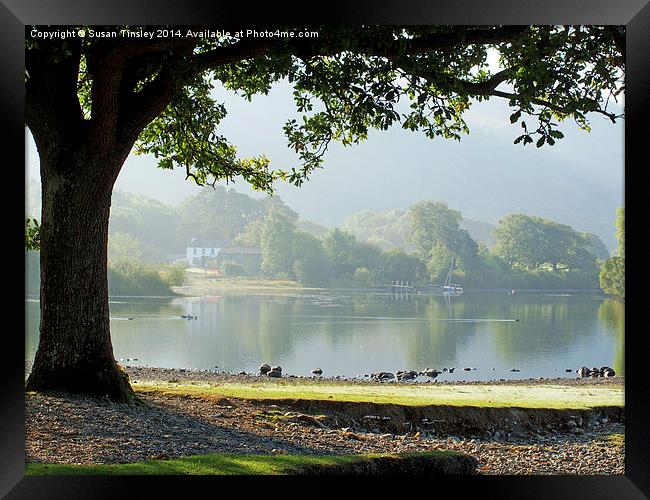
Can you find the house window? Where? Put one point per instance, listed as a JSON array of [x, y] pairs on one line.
[[204, 251], [212, 251], [195, 251]]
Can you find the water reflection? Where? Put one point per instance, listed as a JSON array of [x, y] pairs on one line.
[[356, 333], [612, 313]]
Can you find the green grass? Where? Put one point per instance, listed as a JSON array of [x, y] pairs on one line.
[[197, 278], [496, 396], [225, 464]]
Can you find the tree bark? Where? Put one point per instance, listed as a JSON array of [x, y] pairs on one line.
[[80, 160], [75, 353]]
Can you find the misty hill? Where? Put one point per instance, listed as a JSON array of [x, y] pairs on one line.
[[158, 229], [389, 230], [373, 248], [151, 229], [480, 231], [312, 228], [386, 230]]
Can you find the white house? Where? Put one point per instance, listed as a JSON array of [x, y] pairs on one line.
[[199, 250]]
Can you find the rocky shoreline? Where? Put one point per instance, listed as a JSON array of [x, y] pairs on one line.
[[184, 375], [64, 428]]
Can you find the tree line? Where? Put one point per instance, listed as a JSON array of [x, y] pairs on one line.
[[612, 274], [416, 244], [528, 251]]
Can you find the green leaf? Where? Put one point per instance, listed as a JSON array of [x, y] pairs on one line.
[[541, 141], [515, 116]]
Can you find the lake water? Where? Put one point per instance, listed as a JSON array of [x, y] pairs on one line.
[[355, 333]]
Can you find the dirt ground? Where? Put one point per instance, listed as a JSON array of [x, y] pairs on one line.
[[64, 428]]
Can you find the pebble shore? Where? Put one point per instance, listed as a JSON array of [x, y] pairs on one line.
[[150, 373], [72, 429]]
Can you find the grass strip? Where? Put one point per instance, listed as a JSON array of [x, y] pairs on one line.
[[485, 396], [230, 464]]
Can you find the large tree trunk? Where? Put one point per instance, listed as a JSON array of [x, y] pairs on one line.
[[75, 351], [81, 158]]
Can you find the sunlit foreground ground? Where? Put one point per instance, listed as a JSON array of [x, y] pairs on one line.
[[457, 401]]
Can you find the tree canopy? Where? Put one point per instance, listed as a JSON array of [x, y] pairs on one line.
[[612, 274], [620, 231], [157, 93], [32, 234], [531, 242]]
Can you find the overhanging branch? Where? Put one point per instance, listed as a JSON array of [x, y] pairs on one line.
[[558, 109], [245, 49]]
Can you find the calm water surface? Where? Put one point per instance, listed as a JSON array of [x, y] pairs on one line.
[[354, 333]]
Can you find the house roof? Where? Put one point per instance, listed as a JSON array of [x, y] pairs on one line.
[[205, 243]]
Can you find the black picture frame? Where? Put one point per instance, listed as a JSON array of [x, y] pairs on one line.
[[635, 14]]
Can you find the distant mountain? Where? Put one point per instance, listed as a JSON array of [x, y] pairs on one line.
[[311, 227], [480, 231], [224, 213], [218, 214], [389, 229], [386, 230]]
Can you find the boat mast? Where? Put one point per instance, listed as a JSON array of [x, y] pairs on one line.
[[451, 267]]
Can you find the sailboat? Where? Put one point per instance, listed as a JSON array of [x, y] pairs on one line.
[[449, 287]]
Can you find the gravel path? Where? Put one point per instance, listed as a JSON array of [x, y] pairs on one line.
[[62, 428]]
